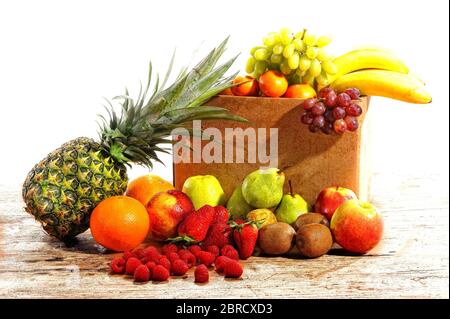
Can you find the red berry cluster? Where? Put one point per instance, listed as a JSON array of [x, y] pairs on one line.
[[332, 112], [156, 264]]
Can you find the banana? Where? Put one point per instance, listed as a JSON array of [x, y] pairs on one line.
[[399, 86], [368, 59]]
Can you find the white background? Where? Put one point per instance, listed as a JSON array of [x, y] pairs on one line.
[[59, 58]]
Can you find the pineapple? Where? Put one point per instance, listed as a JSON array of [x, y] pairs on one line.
[[62, 190]]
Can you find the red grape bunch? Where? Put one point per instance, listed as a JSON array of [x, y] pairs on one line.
[[332, 112]]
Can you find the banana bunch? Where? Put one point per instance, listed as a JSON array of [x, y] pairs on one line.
[[378, 72]]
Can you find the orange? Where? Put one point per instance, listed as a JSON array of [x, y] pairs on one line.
[[226, 92], [246, 86], [143, 188], [119, 223], [300, 91], [273, 83]]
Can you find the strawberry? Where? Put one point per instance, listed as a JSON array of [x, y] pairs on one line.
[[196, 224], [245, 237], [221, 215], [218, 235]]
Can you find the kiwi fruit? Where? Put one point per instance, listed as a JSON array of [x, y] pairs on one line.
[[310, 218], [276, 239], [314, 240]]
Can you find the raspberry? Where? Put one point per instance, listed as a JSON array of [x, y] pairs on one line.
[[132, 264], [220, 262], [181, 252], [154, 256], [169, 248], [213, 249], [128, 254], [150, 265], [172, 257], [179, 267], [205, 258], [188, 258], [231, 253], [232, 269], [225, 249], [139, 253], [194, 249], [144, 260], [151, 250], [160, 273], [163, 261], [201, 274], [118, 265], [141, 274]]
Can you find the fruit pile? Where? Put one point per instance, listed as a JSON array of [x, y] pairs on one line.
[[158, 264], [297, 66], [285, 218], [332, 112], [302, 57], [205, 237], [199, 232]]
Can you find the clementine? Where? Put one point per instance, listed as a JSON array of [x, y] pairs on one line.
[[145, 187], [273, 83], [300, 91], [226, 92], [119, 223], [245, 86]]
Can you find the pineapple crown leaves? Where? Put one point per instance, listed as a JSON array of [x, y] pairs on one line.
[[136, 134]]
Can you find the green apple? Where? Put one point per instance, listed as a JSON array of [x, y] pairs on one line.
[[290, 208], [236, 205], [204, 190], [263, 188]]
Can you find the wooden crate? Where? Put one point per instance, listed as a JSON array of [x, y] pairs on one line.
[[310, 161]]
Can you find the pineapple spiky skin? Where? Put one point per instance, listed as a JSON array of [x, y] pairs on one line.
[[62, 190]]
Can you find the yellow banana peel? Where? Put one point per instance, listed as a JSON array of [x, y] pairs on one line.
[[368, 59], [391, 84]]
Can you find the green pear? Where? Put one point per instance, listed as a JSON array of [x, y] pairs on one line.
[[236, 205], [263, 188], [291, 206], [204, 190]]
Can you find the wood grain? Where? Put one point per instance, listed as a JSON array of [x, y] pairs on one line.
[[411, 262]]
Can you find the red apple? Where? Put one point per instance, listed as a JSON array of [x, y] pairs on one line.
[[331, 198], [357, 226], [166, 210]]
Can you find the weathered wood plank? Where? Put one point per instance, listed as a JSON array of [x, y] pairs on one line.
[[412, 262]]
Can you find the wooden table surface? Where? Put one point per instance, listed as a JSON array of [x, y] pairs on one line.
[[411, 262]]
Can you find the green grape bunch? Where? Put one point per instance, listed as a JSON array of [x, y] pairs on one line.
[[302, 57]]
